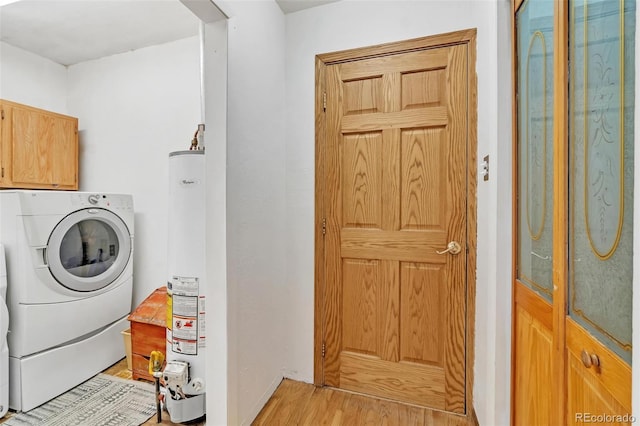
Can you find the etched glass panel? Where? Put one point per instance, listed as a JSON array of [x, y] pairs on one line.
[[534, 27], [601, 109]]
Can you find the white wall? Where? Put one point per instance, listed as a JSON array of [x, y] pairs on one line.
[[215, 49], [256, 215], [498, 402], [133, 109], [30, 79], [349, 24]]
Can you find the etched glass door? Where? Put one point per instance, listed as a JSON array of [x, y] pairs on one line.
[[572, 316], [601, 113], [600, 226], [535, 145], [533, 286]]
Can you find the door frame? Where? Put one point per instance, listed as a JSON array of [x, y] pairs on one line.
[[468, 37]]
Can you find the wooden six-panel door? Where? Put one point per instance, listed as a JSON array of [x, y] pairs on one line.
[[396, 227]]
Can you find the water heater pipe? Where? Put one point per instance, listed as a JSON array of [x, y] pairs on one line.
[[201, 33]]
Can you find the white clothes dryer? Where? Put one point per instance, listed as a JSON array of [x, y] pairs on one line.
[[4, 328], [69, 262]]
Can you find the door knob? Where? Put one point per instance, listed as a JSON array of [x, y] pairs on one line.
[[589, 359], [453, 247]]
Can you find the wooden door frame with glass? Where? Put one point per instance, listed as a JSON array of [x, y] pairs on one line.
[[563, 372], [468, 173]]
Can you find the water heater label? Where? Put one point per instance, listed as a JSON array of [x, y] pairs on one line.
[[185, 315], [201, 323], [185, 286], [185, 328]]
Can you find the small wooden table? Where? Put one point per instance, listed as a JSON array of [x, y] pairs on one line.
[[148, 332]]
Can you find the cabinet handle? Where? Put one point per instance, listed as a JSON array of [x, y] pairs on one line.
[[589, 359]]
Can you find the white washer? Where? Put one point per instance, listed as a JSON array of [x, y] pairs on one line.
[[69, 262]]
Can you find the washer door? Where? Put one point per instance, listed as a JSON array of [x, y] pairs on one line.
[[88, 249]]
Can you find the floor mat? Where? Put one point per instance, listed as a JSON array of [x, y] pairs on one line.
[[100, 401]]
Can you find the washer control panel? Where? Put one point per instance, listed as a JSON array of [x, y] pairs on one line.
[[108, 201]]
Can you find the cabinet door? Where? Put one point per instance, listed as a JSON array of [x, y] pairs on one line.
[[64, 153], [39, 149]]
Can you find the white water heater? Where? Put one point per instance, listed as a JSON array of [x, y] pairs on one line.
[[184, 374]]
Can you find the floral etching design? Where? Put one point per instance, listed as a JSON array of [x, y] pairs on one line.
[[536, 134], [603, 153]]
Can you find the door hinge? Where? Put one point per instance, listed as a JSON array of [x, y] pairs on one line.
[[2, 174], [324, 101], [324, 226], [324, 349], [2, 114]]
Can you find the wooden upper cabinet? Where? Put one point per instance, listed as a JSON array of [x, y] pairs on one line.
[[38, 148]]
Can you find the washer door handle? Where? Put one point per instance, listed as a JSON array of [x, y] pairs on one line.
[[44, 256]]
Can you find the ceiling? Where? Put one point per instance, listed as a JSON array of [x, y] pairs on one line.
[[290, 6], [73, 31]]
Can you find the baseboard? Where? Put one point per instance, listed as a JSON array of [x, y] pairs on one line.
[[474, 418]]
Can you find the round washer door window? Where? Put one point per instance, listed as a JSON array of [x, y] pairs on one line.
[[89, 249]]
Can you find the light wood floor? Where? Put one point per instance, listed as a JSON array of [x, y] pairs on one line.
[[296, 403]]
